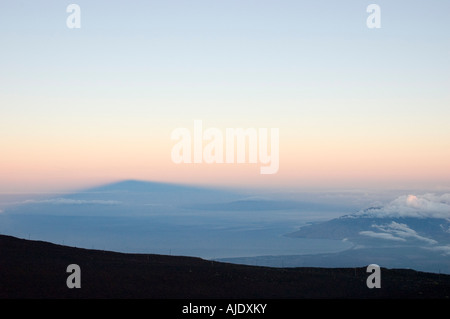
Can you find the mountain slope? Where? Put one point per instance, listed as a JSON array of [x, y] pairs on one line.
[[35, 269]]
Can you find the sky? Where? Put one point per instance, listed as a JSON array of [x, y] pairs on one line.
[[356, 107]]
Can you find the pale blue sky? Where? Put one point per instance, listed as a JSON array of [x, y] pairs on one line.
[[286, 64], [222, 48], [226, 49]]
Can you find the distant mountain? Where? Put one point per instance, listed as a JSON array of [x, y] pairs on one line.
[[365, 229], [410, 225]]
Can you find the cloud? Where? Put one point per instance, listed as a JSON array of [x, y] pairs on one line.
[[421, 206], [444, 249], [445, 230], [403, 231], [67, 201], [396, 231], [380, 235]]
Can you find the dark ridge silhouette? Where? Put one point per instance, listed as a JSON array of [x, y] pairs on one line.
[[36, 269]]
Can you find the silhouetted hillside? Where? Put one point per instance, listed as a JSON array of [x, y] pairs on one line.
[[35, 269]]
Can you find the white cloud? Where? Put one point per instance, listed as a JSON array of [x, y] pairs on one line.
[[66, 201], [396, 231], [380, 235], [421, 206], [444, 249], [445, 230], [403, 231]]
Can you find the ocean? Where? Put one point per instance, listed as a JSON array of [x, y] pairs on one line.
[[208, 237]]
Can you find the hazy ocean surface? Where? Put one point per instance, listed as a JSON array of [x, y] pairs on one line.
[[208, 238]]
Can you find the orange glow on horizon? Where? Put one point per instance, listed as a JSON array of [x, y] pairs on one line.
[[63, 164]]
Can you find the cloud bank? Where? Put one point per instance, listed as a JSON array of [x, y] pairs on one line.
[[421, 206], [398, 232], [380, 235], [66, 201], [445, 250]]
